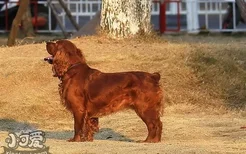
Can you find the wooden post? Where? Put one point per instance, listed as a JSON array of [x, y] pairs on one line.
[[17, 21], [192, 16]]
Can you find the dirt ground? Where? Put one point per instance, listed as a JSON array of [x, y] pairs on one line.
[[182, 133], [29, 98]]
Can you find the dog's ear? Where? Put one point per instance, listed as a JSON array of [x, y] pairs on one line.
[[79, 53], [51, 48]]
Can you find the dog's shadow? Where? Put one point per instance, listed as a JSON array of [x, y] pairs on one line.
[[12, 126], [103, 134]]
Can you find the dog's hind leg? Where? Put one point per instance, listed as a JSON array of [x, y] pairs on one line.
[[151, 117], [94, 123], [91, 128]]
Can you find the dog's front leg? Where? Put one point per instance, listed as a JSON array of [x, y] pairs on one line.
[[84, 127], [78, 123]]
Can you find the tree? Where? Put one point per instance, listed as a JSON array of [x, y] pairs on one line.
[[23, 8], [242, 7], [125, 18], [27, 23]]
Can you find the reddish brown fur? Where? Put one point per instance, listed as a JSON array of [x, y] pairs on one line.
[[89, 93]]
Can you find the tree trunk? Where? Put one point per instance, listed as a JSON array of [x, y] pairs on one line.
[[125, 18], [17, 21], [27, 23], [242, 7]]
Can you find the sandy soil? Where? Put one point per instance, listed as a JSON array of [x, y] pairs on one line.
[[182, 133]]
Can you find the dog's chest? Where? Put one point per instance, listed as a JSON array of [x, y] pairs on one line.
[[69, 91], [63, 91]]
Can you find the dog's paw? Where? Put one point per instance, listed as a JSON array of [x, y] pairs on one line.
[[74, 140]]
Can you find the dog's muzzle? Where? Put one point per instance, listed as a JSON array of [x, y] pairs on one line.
[[49, 59]]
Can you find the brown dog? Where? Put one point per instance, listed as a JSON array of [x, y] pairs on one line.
[[89, 93]]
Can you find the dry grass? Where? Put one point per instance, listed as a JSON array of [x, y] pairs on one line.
[[202, 78], [221, 70]]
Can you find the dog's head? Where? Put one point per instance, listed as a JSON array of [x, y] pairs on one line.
[[63, 54]]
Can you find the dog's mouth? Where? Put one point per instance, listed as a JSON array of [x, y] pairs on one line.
[[50, 61]]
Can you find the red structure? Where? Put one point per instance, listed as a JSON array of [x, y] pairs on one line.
[[163, 16]]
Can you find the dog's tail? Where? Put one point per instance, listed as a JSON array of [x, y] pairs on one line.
[[159, 95], [156, 76]]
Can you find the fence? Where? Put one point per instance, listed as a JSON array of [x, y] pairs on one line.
[[195, 14], [199, 15]]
